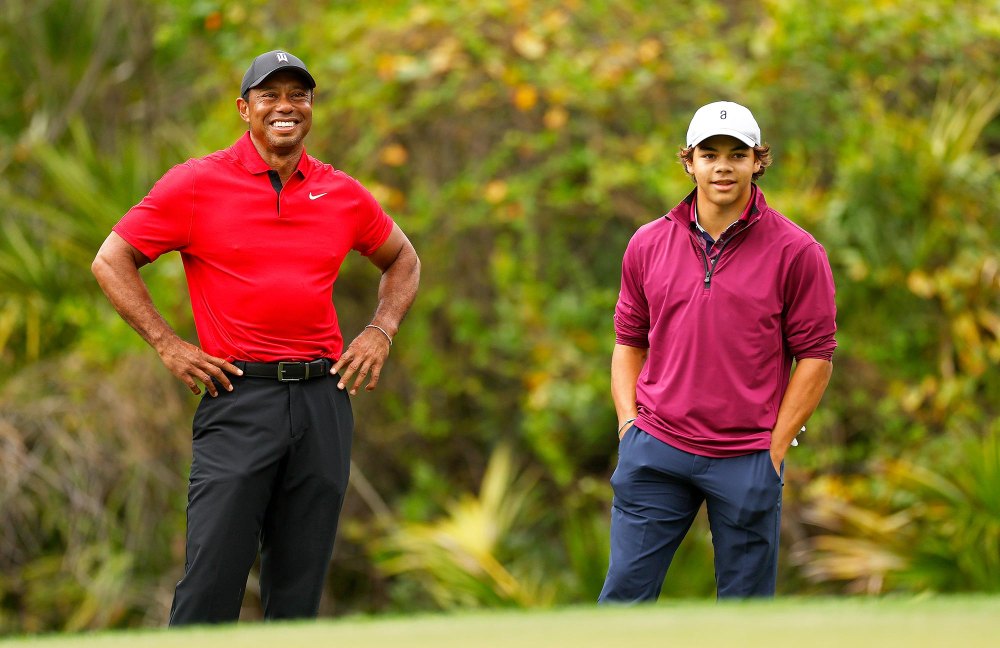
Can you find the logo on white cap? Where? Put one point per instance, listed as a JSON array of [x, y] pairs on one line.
[[282, 57], [723, 118]]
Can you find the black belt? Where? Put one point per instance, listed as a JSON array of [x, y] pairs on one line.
[[286, 371]]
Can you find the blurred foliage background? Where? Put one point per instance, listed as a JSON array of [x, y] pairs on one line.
[[519, 144]]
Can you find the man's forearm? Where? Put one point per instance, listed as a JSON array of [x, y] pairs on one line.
[[118, 276], [396, 291], [626, 365], [805, 389]]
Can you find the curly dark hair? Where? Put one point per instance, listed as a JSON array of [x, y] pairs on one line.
[[762, 153]]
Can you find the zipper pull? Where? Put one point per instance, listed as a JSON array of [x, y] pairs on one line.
[[708, 278]]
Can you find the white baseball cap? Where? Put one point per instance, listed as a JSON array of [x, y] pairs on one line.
[[723, 118]]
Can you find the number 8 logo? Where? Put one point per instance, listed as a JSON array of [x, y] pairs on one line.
[[722, 115]]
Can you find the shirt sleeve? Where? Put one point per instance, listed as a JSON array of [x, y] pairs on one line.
[[373, 225], [161, 222], [632, 310], [810, 307]]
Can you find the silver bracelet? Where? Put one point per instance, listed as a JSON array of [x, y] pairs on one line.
[[631, 420], [382, 330]]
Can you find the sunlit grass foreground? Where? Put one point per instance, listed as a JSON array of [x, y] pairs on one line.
[[928, 621]]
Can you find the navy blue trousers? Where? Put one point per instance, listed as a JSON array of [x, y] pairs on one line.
[[269, 472], [659, 489]]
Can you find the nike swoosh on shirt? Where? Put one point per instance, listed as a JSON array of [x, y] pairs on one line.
[[312, 197]]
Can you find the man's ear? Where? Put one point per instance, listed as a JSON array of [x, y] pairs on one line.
[[244, 109]]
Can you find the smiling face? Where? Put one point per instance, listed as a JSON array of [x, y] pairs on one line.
[[723, 168], [279, 111]]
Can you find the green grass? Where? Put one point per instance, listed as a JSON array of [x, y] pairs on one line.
[[909, 622]]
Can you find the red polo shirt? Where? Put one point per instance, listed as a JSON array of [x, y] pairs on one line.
[[260, 263]]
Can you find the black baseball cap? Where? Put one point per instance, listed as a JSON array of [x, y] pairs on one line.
[[267, 64]]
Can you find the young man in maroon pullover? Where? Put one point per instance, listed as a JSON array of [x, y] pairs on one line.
[[718, 298]]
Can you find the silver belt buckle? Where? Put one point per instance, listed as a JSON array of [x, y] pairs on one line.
[[281, 371]]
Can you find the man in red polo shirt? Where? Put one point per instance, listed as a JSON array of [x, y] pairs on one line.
[[262, 229], [717, 299]]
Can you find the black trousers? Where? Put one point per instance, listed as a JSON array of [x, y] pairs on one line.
[[270, 467]]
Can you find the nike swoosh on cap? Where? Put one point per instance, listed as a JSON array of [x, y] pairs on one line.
[[312, 197]]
